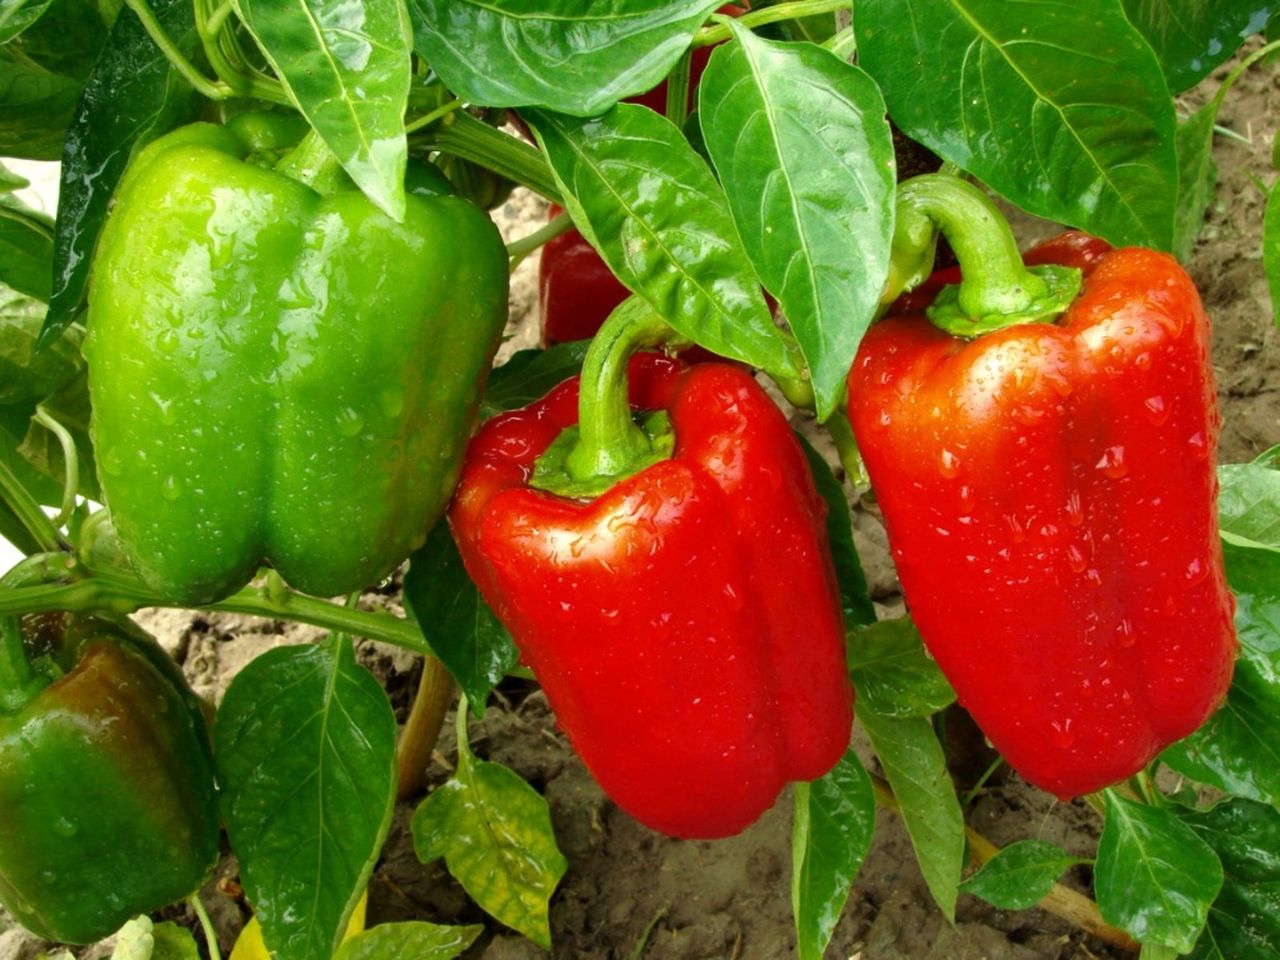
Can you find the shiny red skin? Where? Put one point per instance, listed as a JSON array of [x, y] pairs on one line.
[[1049, 495], [685, 624], [576, 289]]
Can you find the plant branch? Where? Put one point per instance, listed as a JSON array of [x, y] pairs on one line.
[[793, 10], [202, 84], [462, 135], [422, 728], [517, 250], [71, 478], [28, 511]]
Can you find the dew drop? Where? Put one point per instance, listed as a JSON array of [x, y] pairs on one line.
[[350, 422], [65, 828], [948, 465], [1124, 633], [1199, 449], [111, 461], [1112, 464], [167, 341], [1157, 410], [1076, 559], [966, 500], [1063, 735], [391, 402], [1016, 531], [1196, 571], [171, 489], [1075, 510]]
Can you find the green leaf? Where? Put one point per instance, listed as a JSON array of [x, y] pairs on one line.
[[1271, 249], [1062, 109], [1244, 921], [26, 373], [494, 832], [917, 770], [578, 59], [530, 375], [1154, 877], [1238, 750], [17, 15], [409, 940], [648, 203], [1192, 37], [1249, 503], [132, 96], [835, 818], [1020, 875], [35, 108], [305, 744], [462, 630], [893, 674], [1197, 176], [141, 939], [26, 248], [41, 448], [10, 181], [854, 598], [346, 64], [803, 149]]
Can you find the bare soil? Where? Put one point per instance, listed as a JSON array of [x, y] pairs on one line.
[[632, 893]]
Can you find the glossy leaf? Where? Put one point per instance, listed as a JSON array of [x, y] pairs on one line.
[[854, 598], [892, 672], [305, 743], [35, 108], [26, 248], [575, 57], [1238, 750], [1191, 37], [345, 63], [648, 203], [1154, 877], [494, 832], [803, 149], [17, 15], [409, 940], [1020, 875], [1062, 109], [1271, 249], [835, 817], [132, 96], [530, 375], [1249, 503], [249, 944], [913, 761], [1244, 921], [462, 630], [1197, 176]]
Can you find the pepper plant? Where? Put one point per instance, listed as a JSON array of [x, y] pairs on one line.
[[261, 326]]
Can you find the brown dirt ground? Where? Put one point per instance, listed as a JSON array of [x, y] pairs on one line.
[[630, 892]]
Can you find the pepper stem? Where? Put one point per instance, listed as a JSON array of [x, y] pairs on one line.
[[609, 441], [997, 289]]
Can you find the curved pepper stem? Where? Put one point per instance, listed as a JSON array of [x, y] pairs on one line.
[[997, 289]]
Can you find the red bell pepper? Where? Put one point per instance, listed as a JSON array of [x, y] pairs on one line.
[[684, 623], [1048, 489]]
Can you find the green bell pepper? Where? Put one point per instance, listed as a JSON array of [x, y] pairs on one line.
[[278, 371], [107, 802]]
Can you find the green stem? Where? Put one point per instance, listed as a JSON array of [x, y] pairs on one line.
[[847, 449], [202, 84], [429, 118], [517, 250], [997, 290], [27, 510], [18, 681], [312, 162], [793, 10], [843, 44], [677, 106], [206, 925], [609, 441], [460, 730], [462, 135], [71, 462], [228, 61], [217, 18]]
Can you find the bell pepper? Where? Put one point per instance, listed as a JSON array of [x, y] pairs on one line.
[[107, 804], [673, 593], [278, 371], [1044, 461]]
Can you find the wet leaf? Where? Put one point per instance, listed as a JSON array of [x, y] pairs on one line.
[[462, 630], [803, 149], [854, 598], [1197, 176], [141, 939], [1244, 921], [835, 817], [1249, 503], [913, 761], [346, 64], [577, 59], [1191, 37], [132, 96], [1154, 877], [530, 375], [17, 15], [648, 203], [1061, 109], [26, 248], [1020, 875], [305, 744], [892, 673], [494, 832]]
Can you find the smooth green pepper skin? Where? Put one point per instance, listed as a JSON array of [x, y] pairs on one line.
[[278, 375], [107, 802]]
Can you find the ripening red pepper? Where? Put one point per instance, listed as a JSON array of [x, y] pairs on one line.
[[1049, 490], [683, 620], [576, 288]]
